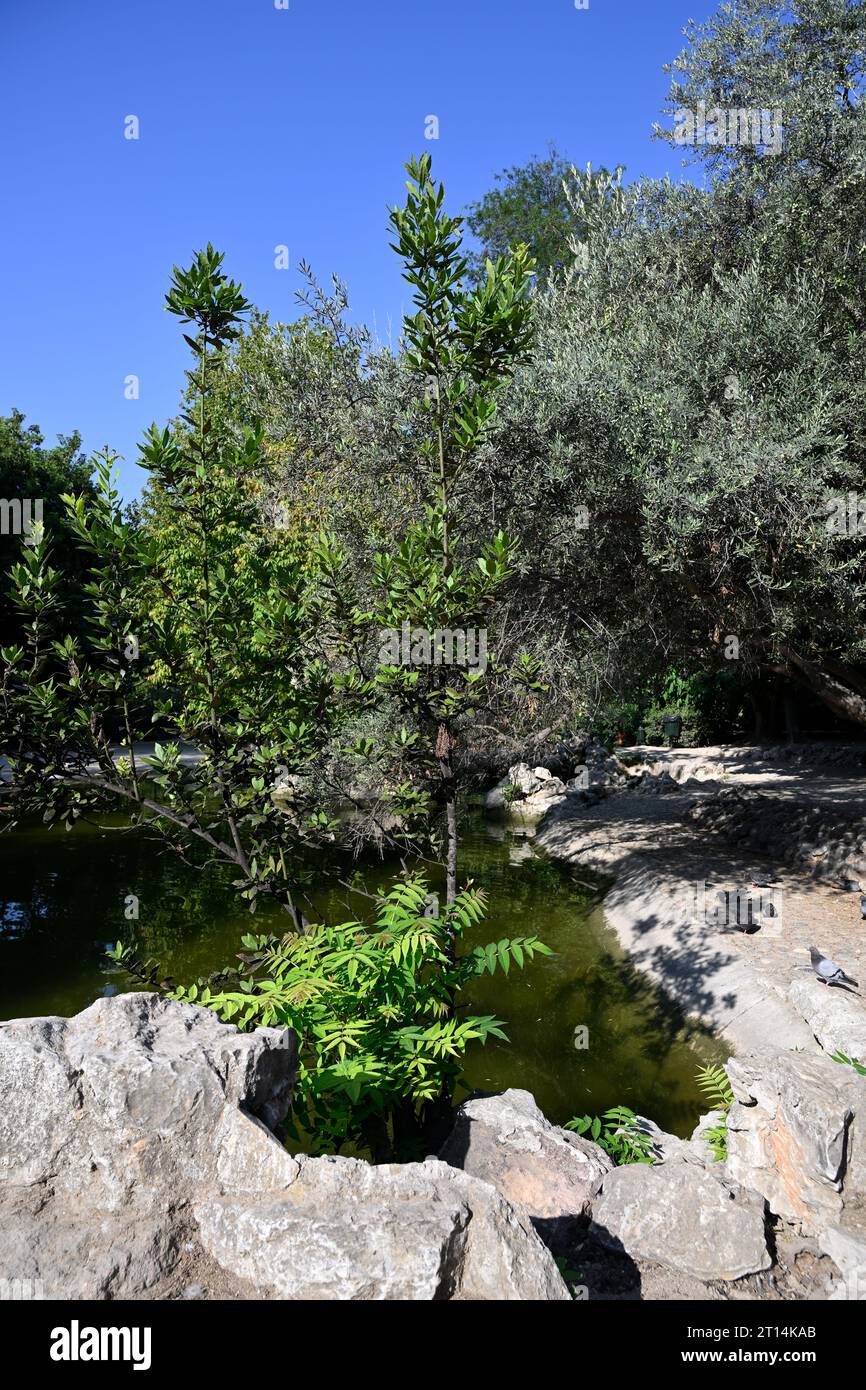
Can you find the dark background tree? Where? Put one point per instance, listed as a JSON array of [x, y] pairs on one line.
[[29, 470], [529, 206]]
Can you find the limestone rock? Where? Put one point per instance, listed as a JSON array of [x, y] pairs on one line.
[[848, 1253], [124, 1098], [111, 1121], [525, 794], [837, 1018], [88, 1255], [348, 1230], [524, 779], [135, 1150], [550, 1172], [677, 1214], [792, 1136], [669, 1148]]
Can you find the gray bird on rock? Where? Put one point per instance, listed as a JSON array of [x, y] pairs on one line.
[[828, 972]]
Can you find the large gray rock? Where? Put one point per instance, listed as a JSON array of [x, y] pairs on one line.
[[679, 1215], [550, 1172], [123, 1100], [134, 1143], [837, 1018], [85, 1254], [111, 1122], [527, 780], [669, 1148], [792, 1135], [347, 1230], [525, 794]]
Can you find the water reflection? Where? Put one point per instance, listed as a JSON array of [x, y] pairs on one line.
[[63, 897]]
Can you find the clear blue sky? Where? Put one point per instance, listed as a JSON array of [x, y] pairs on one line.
[[260, 127]]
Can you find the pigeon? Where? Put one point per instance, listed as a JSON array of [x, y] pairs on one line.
[[851, 885], [764, 882], [828, 972], [863, 906]]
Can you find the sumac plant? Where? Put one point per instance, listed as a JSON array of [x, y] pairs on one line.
[[381, 1041], [619, 1132]]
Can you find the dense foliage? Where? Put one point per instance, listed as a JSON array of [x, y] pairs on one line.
[[381, 1043], [693, 407], [211, 631], [610, 443], [31, 473]]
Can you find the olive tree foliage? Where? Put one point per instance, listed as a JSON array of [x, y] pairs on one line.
[[340, 417], [698, 383], [703, 471], [803, 204], [796, 219]]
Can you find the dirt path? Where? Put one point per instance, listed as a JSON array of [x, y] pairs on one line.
[[755, 989]]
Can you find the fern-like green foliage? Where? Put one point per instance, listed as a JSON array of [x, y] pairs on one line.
[[713, 1082], [374, 1008], [619, 1132]]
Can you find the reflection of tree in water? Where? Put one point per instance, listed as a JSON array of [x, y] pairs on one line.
[[64, 898], [63, 901]]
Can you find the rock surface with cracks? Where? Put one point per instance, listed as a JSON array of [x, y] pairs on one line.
[[135, 1149]]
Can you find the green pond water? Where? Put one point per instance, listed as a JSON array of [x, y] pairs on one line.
[[62, 903]]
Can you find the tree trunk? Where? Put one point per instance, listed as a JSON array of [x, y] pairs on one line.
[[451, 861], [758, 717], [840, 696], [445, 743]]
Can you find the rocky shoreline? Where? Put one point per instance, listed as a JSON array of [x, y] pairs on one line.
[[679, 828], [138, 1160], [138, 1154]]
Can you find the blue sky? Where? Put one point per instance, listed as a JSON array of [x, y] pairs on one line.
[[262, 127]]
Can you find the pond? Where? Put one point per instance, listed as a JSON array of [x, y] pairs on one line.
[[62, 901]]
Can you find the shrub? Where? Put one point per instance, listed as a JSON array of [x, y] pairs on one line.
[[619, 1132], [714, 1083], [382, 1037]]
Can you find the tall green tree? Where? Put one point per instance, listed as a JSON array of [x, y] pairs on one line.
[[462, 343], [530, 206], [696, 396]]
